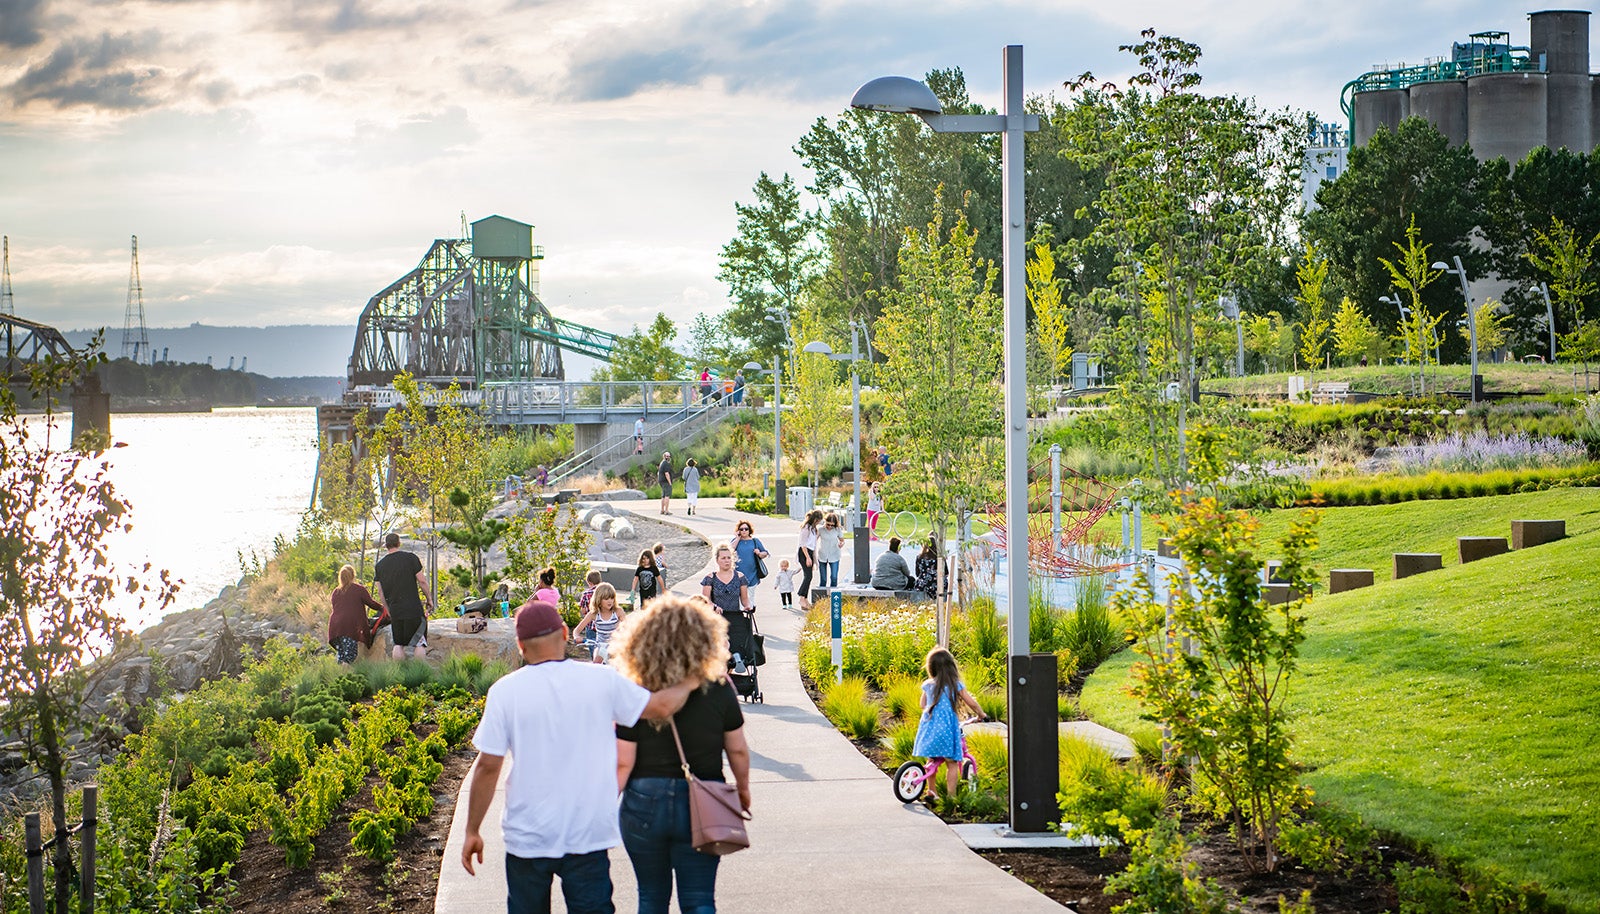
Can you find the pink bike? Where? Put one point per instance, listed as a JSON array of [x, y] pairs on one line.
[[912, 778]]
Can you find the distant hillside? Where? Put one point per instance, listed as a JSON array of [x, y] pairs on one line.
[[292, 351]]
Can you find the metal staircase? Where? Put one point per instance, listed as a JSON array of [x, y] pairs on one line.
[[615, 453]]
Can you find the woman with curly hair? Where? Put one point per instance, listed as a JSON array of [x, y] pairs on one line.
[[669, 641]]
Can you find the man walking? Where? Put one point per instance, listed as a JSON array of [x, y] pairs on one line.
[[404, 586], [664, 479], [557, 720]]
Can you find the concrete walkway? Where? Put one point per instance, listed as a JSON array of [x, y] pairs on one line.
[[828, 834]]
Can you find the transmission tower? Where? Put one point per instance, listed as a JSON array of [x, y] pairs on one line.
[[7, 306], [135, 343]]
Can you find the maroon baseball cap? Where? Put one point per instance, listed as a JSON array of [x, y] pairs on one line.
[[536, 618]]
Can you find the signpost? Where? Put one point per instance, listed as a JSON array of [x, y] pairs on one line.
[[837, 599]]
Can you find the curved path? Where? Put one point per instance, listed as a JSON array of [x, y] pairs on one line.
[[828, 834]]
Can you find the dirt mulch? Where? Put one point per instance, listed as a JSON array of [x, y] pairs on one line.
[[340, 880]]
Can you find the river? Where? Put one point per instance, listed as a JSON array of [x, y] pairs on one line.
[[205, 487]]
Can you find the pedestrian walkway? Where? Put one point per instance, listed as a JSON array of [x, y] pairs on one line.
[[828, 834]]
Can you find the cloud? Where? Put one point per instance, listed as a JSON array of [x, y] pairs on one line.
[[101, 72], [319, 18], [19, 23]]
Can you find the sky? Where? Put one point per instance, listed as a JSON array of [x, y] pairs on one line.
[[283, 160]]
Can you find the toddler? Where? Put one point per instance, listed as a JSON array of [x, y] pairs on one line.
[[660, 552], [786, 583], [590, 583]]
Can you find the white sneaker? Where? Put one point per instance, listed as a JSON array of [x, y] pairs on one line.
[[739, 668]]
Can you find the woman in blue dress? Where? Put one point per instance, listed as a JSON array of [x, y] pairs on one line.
[[939, 730]]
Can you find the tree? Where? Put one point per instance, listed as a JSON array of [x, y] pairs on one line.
[[1566, 263], [769, 263], [1413, 273], [1049, 313], [816, 414], [1312, 277], [476, 533], [59, 587], [549, 538], [940, 338], [645, 355], [1354, 335], [1490, 324], [1410, 175], [1224, 699]]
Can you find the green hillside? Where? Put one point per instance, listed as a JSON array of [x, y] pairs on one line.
[[1458, 708]]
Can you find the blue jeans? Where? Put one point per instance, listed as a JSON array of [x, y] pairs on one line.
[[655, 830], [585, 883], [830, 574]]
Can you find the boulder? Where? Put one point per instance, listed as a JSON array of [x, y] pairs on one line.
[[621, 495], [496, 642], [621, 528]]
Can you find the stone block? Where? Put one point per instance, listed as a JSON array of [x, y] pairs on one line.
[[1472, 548], [1343, 579], [496, 642], [1279, 593], [1407, 564], [1164, 548], [1526, 533], [567, 495]]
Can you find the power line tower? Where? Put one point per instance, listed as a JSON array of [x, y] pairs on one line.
[[7, 306], [135, 343]]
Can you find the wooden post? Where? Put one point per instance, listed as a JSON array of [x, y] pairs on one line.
[[35, 849], [91, 820]]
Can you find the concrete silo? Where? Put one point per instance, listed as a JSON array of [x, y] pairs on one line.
[[1506, 114], [1561, 38], [1384, 108], [1444, 105]]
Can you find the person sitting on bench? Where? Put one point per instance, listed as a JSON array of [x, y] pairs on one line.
[[891, 572]]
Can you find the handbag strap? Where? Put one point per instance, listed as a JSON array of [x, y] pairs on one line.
[[684, 759]]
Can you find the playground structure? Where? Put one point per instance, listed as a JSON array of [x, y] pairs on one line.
[[1063, 507]]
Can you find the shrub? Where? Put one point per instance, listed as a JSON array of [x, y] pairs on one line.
[[902, 697], [1325, 838], [980, 634], [1102, 798], [1161, 881], [1090, 632], [1424, 890], [899, 741], [846, 704], [754, 504], [992, 701], [989, 751]]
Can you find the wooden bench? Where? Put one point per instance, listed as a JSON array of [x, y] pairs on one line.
[[1331, 392]]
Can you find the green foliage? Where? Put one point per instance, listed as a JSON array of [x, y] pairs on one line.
[[846, 704], [983, 634], [1224, 700], [992, 701], [902, 696], [548, 538], [1102, 798], [877, 643], [769, 263], [477, 533], [1089, 632], [989, 751], [645, 355], [754, 504], [1161, 881], [900, 740], [1388, 490], [1424, 890], [1328, 839]]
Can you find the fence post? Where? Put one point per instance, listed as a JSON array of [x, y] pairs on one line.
[[35, 849], [91, 820]]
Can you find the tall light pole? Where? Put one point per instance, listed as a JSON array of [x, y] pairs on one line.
[[1549, 317], [1475, 383], [1230, 310], [1030, 680], [777, 424], [861, 537]]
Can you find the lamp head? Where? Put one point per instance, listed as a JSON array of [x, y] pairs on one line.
[[1441, 265], [899, 94], [1230, 307], [818, 347], [753, 366]]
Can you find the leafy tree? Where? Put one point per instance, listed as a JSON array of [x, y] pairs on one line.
[[769, 263], [1412, 175], [549, 538], [1049, 313], [1490, 319], [816, 416], [645, 355], [1413, 273], [1272, 339], [1224, 699], [59, 588], [1312, 277], [1354, 335], [1566, 262], [852, 164], [1582, 345], [942, 350]]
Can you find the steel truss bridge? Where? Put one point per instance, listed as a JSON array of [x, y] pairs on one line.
[[27, 342]]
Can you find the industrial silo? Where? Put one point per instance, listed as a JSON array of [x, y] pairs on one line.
[[1561, 38], [1384, 108], [1444, 105], [1506, 114]]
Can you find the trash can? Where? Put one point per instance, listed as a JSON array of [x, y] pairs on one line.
[[801, 501]]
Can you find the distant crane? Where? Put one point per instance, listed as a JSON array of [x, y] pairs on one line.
[[135, 341], [7, 306]]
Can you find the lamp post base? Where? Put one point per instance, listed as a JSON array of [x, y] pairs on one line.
[[1031, 720], [780, 497], [861, 543]]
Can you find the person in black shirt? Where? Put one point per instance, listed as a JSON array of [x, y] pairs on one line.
[[676, 638], [664, 479], [647, 579], [405, 593]]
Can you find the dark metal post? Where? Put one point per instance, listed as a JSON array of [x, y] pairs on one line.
[[1035, 753], [91, 820], [35, 850], [861, 543]]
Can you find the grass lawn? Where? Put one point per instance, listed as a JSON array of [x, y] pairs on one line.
[[1457, 708], [1396, 379]]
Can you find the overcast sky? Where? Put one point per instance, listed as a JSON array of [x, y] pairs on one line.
[[283, 160]]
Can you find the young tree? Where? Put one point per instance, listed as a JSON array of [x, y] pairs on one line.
[[1049, 313], [1354, 336], [816, 413], [939, 335], [1490, 323], [1420, 331], [1567, 263], [1312, 276], [59, 587], [1224, 699], [770, 263]]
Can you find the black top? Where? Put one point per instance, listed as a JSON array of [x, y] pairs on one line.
[[648, 578], [706, 716], [664, 472], [396, 574]]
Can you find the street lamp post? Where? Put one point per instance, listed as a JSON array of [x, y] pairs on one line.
[[777, 427], [1030, 680], [1549, 317], [861, 537], [1230, 310], [1475, 383]]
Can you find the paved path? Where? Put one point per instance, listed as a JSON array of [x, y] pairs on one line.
[[828, 834]]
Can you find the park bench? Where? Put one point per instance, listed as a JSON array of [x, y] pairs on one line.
[[1331, 392]]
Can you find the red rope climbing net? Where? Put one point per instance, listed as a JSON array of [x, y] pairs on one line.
[[1084, 500]]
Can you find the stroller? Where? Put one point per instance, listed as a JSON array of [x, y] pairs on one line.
[[746, 652]]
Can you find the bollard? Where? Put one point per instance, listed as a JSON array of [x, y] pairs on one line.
[[35, 850]]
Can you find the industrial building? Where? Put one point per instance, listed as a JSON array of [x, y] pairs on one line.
[[1501, 99]]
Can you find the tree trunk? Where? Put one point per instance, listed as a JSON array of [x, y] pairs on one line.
[[941, 608], [55, 769]]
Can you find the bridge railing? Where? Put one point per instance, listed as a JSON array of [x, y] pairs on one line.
[[508, 401], [669, 431]]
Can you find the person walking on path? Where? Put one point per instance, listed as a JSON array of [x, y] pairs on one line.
[[726, 588], [738, 387], [939, 729], [691, 483], [557, 721], [646, 579], [830, 545], [874, 508], [746, 549], [807, 553], [664, 480], [347, 624], [674, 640], [404, 586], [705, 387], [638, 435], [891, 572]]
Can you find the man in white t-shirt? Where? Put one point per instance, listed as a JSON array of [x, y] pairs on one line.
[[558, 721]]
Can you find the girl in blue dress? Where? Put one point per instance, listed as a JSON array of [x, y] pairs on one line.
[[939, 730]]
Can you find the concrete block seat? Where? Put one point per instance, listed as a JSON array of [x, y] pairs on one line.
[[1526, 533], [1343, 579], [1407, 564], [1277, 594], [1472, 548]]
